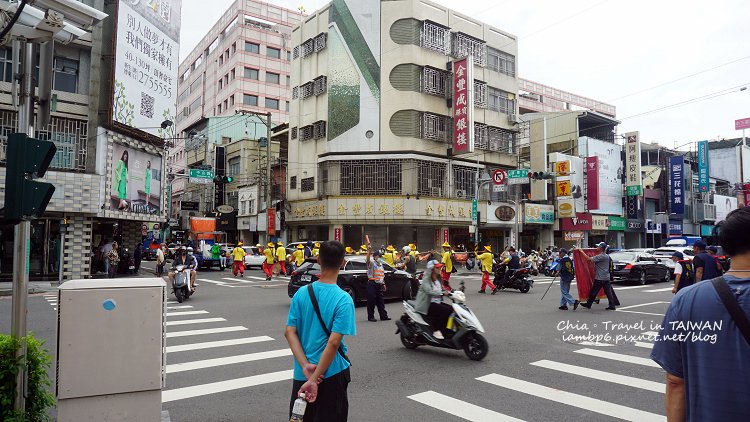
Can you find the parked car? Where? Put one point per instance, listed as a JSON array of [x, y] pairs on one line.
[[253, 257], [639, 267], [353, 279]]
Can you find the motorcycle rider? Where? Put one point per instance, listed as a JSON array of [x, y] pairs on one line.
[[486, 259], [408, 261], [429, 300], [188, 261], [513, 262]]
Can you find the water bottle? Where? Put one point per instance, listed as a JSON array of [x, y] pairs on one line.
[[298, 410]]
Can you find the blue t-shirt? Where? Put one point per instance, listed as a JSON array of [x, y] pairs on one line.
[[717, 376], [336, 306]]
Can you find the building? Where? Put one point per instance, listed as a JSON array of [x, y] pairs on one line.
[[241, 65], [371, 129], [534, 97]]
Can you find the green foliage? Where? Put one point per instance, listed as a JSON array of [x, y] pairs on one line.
[[38, 362], [123, 109]]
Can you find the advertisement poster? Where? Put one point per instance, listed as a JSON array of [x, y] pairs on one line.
[[724, 205], [592, 182], [634, 182], [676, 193], [539, 214], [610, 174], [569, 169], [146, 64], [581, 222], [136, 180], [463, 105], [565, 208]]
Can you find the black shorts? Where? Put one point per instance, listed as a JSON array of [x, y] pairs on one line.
[[332, 404]]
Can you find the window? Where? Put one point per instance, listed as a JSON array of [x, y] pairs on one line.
[[195, 105], [463, 180], [6, 64], [273, 78], [248, 99], [435, 37], [320, 83], [288, 80], [306, 133], [501, 140], [232, 75], [289, 56], [371, 177], [319, 129], [234, 47], [221, 83], [308, 47], [308, 184], [435, 81], [66, 74], [500, 61], [251, 73], [226, 105], [221, 60], [464, 45], [272, 103], [480, 94], [295, 52], [273, 52], [231, 101], [499, 100], [293, 182], [233, 166], [218, 109], [436, 127], [294, 132], [287, 106], [252, 47]]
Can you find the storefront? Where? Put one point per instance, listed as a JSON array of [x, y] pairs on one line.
[[538, 222], [634, 234], [44, 250], [501, 221]]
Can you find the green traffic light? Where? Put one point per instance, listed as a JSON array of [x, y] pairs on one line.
[[229, 179]]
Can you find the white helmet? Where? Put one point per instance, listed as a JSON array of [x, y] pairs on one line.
[[458, 296], [406, 249]]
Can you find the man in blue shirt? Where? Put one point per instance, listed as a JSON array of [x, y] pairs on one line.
[[566, 278], [705, 354], [706, 267], [321, 368]]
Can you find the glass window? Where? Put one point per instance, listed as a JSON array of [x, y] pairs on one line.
[[272, 103], [273, 78], [250, 99], [252, 47], [501, 61], [251, 73], [233, 167], [355, 266], [231, 100], [6, 64], [273, 52], [231, 75], [66, 75], [234, 47]]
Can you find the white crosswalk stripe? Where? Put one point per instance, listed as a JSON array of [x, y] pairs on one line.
[[666, 289], [618, 357], [461, 408], [194, 321], [221, 343], [597, 374], [184, 313], [206, 331], [222, 386], [210, 363]]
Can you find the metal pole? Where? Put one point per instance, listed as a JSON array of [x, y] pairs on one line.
[[268, 170], [61, 265], [22, 230]]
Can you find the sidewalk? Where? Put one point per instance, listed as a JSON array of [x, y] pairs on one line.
[[6, 287]]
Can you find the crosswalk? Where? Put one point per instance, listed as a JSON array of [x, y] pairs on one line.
[[51, 298], [617, 378], [198, 340]]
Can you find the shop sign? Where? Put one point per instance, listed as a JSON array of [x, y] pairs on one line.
[[617, 223], [562, 168], [337, 234], [445, 234], [573, 236], [582, 221], [271, 222], [706, 230], [379, 209], [676, 191], [566, 207], [135, 180], [463, 106], [653, 228], [189, 206], [592, 182], [635, 225], [599, 222], [539, 214], [633, 164], [703, 181], [563, 188], [505, 213], [675, 227]]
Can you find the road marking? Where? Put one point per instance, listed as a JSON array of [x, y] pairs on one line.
[[622, 308], [218, 283], [186, 313], [179, 307], [656, 387], [572, 399], [222, 386], [631, 287], [593, 343], [666, 289], [460, 408], [194, 321], [229, 360], [238, 280], [618, 357], [206, 331], [220, 343], [642, 313], [644, 345]]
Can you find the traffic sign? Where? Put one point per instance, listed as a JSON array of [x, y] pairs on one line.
[[201, 176], [498, 177], [474, 210], [636, 190], [518, 177]]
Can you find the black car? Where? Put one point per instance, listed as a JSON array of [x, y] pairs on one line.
[[640, 267], [353, 279]]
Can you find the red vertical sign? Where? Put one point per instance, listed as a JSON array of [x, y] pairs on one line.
[[592, 182], [446, 235], [746, 191], [271, 221], [463, 105], [337, 234]]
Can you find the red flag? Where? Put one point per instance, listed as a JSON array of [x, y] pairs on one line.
[[585, 273]]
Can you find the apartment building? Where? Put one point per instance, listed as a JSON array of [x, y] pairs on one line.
[[536, 97], [371, 128]]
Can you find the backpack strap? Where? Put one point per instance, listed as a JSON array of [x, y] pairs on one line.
[[730, 302], [314, 301]]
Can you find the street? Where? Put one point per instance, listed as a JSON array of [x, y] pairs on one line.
[[227, 359]]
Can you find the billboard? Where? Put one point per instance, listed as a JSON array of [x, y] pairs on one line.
[[676, 191], [146, 64], [703, 181], [610, 174], [463, 106], [592, 182], [136, 180], [634, 184], [724, 205], [539, 214]]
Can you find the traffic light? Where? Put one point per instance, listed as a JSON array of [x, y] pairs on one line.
[[223, 179], [27, 159], [540, 175]]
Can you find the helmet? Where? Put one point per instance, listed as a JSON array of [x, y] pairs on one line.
[[279, 244], [390, 248], [406, 249], [458, 296], [270, 244], [190, 249], [300, 246], [446, 245], [317, 245]]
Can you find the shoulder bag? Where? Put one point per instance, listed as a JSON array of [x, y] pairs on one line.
[[314, 301], [735, 311]]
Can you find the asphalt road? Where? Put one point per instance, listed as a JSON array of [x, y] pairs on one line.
[[227, 358]]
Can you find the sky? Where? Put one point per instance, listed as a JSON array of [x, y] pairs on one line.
[[643, 56]]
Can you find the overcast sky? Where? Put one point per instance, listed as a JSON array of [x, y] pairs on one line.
[[610, 51]]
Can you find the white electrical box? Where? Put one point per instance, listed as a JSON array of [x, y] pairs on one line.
[[110, 349]]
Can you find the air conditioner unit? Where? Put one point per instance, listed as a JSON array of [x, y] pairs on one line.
[[513, 119], [460, 193], [185, 111]]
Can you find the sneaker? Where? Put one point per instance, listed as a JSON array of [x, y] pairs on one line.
[[481, 291], [586, 305], [438, 335], [575, 305], [372, 319], [563, 308]]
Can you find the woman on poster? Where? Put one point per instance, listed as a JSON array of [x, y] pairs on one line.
[[121, 180], [147, 181]]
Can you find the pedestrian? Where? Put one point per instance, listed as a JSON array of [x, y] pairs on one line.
[[485, 258], [308, 249], [706, 266], [683, 272], [138, 256], [375, 285], [316, 249], [602, 277], [390, 256], [216, 255], [713, 251], [447, 270], [281, 257], [567, 273], [321, 365], [704, 342], [238, 258], [103, 252], [160, 261], [268, 252], [113, 260], [408, 261], [298, 256]]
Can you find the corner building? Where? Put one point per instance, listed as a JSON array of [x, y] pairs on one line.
[[371, 127]]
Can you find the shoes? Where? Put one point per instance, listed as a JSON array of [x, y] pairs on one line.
[[611, 308], [385, 319], [586, 305], [372, 319], [481, 291], [575, 305], [494, 291], [438, 335], [268, 278], [563, 308]]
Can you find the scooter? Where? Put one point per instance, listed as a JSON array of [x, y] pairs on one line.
[[463, 325], [181, 283], [520, 279], [552, 268]]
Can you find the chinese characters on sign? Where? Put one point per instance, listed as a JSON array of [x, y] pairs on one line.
[[703, 166], [539, 214], [337, 234], [463, 105], [676, 191], [562, 168], [633, 164], [563, 188], [742, 123]]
